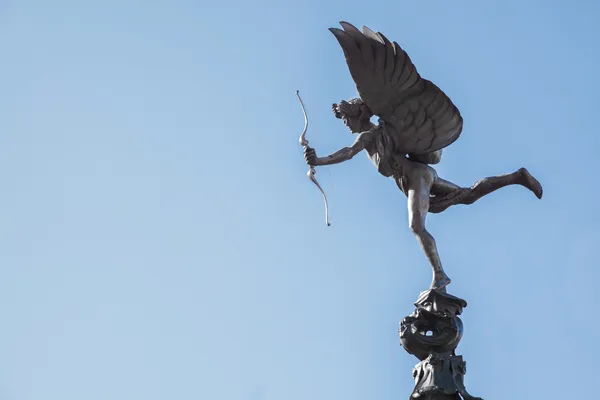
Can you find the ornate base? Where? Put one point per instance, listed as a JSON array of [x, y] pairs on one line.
[[432, 333], [440, 377]]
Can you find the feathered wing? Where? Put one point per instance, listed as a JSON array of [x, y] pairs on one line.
[[418, 115]]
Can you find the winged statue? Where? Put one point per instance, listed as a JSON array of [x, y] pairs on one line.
[[416, 121]]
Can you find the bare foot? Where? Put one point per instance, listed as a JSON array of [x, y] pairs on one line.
[[440, 281], [531, 183]]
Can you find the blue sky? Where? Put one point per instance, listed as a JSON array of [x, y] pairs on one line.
[[159, 238]]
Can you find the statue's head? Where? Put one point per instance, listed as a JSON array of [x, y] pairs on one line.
[[355, 114]]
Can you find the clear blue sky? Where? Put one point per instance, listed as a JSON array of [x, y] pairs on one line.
[[159, 238]]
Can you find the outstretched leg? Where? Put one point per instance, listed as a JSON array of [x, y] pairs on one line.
[[447, 194], [418, 205]]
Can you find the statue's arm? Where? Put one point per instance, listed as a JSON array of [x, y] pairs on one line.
[[341, 155]]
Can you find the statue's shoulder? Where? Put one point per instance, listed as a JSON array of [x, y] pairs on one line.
[[371, 137]]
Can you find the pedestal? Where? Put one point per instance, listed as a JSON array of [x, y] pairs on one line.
[[432, 333]]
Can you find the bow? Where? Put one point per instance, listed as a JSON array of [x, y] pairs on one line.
[[311, 171]]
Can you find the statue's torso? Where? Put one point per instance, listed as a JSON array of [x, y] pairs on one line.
[[380, 151]]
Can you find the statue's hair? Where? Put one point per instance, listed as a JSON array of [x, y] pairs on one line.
[[354, 108]]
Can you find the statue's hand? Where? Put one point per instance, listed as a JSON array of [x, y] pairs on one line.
[[310, 156]]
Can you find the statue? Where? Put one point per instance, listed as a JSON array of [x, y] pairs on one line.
[[416, 121]]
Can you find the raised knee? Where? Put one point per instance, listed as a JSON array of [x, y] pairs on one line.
[[416, 227]]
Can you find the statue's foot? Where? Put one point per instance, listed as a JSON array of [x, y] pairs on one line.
[[531, 183], [440, 281]]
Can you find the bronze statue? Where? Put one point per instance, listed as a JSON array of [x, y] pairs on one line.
[[416, 121]]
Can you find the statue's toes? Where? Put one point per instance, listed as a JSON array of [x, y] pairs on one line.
[[536, 187], [533, 184]]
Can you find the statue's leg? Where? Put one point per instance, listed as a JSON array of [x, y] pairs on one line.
[[452, 194], [419, 187], [488, 185], [442, 187]]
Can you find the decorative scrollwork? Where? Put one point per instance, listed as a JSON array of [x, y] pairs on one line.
[[432, 333]]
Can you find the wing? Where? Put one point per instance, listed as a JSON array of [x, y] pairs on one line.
[[418, 115]]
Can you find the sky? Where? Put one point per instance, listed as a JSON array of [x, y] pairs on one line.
[[159, 238]]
